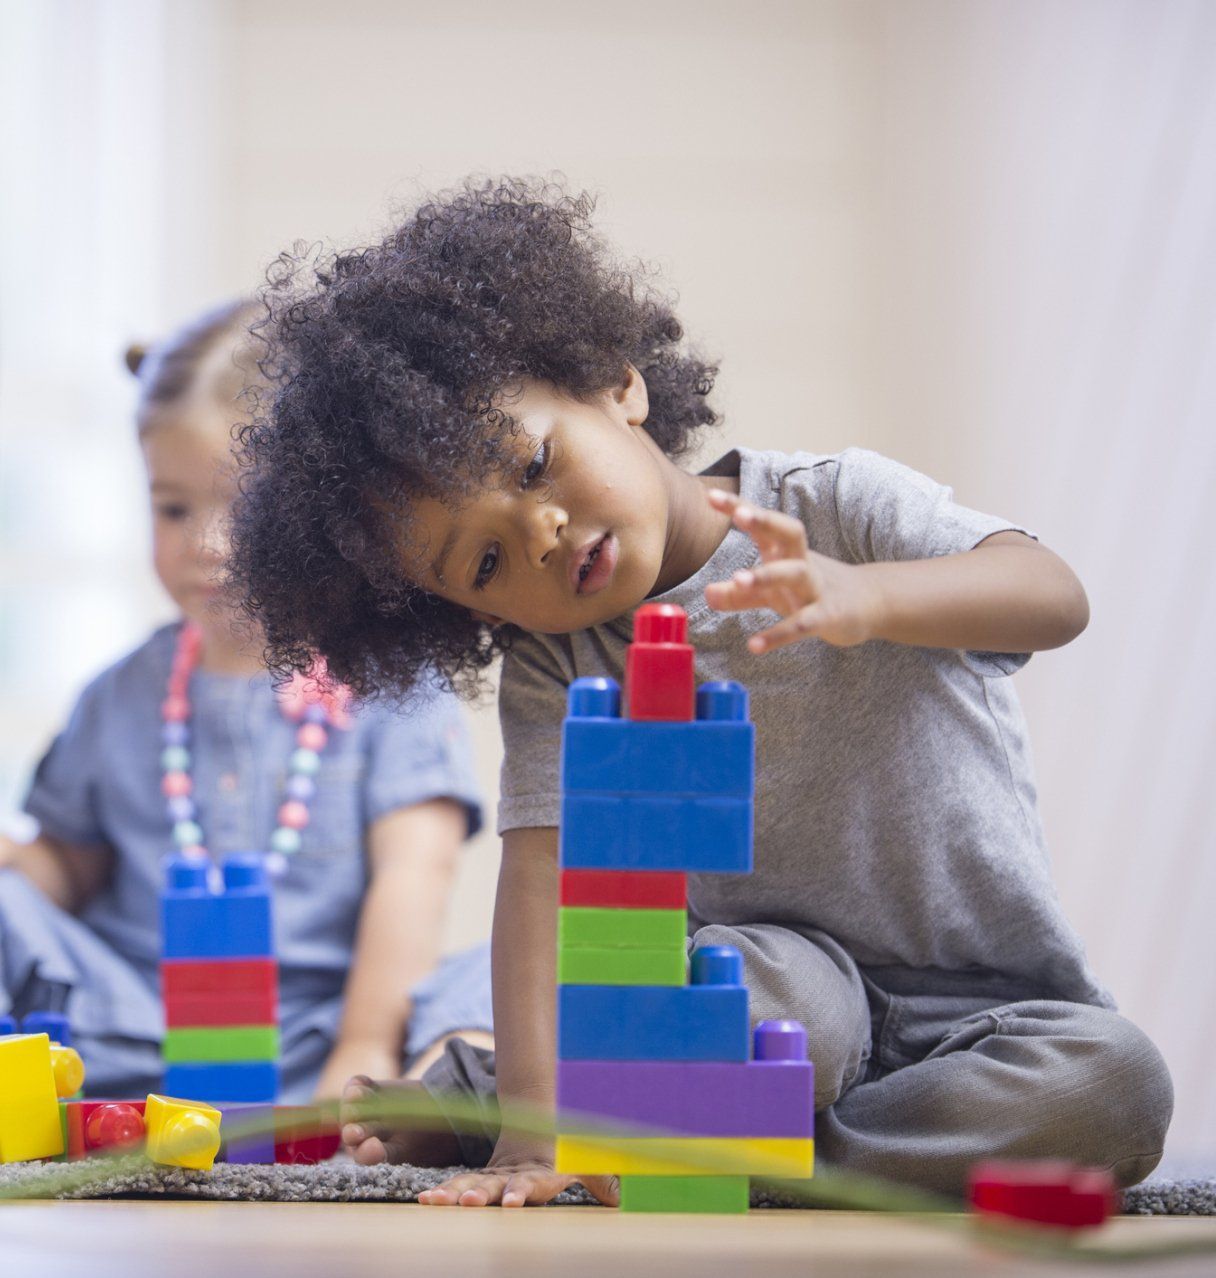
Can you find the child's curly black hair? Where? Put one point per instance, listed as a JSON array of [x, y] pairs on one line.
[[386, 364]]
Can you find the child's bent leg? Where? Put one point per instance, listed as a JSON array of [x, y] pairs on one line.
[[112, 1007], [808, 977], [1035, 1079]]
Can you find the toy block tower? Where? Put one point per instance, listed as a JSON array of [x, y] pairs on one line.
[[220, 988], [646, 798]]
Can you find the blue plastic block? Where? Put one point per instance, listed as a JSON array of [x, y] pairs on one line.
[[233, 923], [653, 1023], [656, 832], [617, 756], [54, 1025], [8, 1025], [251, 1081]]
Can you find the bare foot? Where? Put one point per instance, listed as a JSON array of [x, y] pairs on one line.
[[431, 1143]]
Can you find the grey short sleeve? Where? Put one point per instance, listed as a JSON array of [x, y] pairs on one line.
[[62, 796], [531, 706], [419, 752], [887, 511]]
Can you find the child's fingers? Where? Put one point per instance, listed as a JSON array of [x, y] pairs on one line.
[[778, 536], [784, 585], [470, 1189], [804, 624]]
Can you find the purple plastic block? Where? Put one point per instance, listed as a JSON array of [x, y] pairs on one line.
[[692, 1098], [248, 1149]]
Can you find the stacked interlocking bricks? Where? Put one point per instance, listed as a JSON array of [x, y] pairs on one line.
[[220, 988], [647, 798]]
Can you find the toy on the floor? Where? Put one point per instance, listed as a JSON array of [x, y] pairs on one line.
[[220, 988], [647, 796], [1046, 1192], [39, 1120]]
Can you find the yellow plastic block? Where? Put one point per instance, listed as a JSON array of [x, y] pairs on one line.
[[68, 1069], [29, 1108], [182, 1133], [792, 1157]]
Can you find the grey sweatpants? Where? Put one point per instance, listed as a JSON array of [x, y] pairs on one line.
[[921, 1073]]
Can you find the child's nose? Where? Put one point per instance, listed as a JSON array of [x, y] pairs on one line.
[[544, 532]]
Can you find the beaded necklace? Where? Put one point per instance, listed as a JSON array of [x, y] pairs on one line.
[[308, 699]]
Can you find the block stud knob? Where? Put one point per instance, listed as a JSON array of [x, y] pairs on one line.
[[245, 870], [594, 698], [115, 1126], [186, 874], [660, 623], [68, 1070], [722, 699], [717, 965], [190, 1139], [780, 1041], [53, 1024]]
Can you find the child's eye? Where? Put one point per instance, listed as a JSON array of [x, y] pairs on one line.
[[536, 467], [173, 511], [486, 569]]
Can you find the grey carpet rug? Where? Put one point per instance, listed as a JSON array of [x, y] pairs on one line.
[[345, 1182]]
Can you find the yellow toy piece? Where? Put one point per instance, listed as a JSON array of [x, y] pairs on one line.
[[789, 1157], [68, 1070], [182, 1133], [29, 1107]]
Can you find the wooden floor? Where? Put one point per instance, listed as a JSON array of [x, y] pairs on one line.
[[349, 1240]]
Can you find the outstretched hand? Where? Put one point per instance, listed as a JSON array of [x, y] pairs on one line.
[[818, 597]]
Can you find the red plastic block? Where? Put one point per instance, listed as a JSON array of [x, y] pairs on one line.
[[625, 889], [97, 1125], [186, 1011], [243, 976], [301, 1137], [659, 678], [1047, 1193]]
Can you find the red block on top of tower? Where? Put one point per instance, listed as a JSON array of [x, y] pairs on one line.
[[659, 681]]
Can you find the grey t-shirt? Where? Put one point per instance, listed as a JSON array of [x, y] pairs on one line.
[[895, 801]]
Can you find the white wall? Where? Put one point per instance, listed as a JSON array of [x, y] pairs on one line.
[[970, 233]]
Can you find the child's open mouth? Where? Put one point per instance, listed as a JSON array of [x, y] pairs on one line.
[[596, 570]]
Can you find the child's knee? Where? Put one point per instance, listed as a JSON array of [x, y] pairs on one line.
[[1119, 1116], [788, 976]]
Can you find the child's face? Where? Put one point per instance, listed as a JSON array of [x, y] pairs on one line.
[[192, 483], [576, 532]]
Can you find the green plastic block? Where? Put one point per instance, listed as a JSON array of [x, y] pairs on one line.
[[221, 1043], [621, 967], [597, 929], [716, 1194]]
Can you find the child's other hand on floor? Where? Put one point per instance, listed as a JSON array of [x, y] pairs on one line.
[[511, 1181]]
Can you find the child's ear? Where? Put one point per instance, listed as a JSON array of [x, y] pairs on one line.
[[632, 397]]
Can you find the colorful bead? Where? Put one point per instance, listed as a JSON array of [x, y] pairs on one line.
[[181, 808], [294, 815], [306, 761], [195, 852], [300, 787], [186, 833], [175, 784], [175, 709], [175, 758], [312, 736], [286, 841], [175, 734]]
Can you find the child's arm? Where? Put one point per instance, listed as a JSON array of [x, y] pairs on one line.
[[1009, 594], [525, 1030], [70, 876], [412, 855]]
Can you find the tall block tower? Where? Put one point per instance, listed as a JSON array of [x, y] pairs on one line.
[[648, 1041], [220, 988]]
